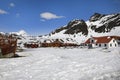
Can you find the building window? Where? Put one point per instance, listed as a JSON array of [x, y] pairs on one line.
[[92, 41], [99, 45], [113, 40], [115, 45], [105, 45], [110, 45]]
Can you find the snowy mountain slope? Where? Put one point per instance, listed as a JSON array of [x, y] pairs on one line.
[[20, 33], [105, 23], [97, 25]]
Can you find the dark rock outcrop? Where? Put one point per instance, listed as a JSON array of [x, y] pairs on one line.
[[108, 22], [96, 17], [77, 26], [74, 26]]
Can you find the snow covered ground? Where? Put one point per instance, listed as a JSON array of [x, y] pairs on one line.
[[62, 64]]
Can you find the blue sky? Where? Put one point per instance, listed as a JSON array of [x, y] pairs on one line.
[[43, 16]]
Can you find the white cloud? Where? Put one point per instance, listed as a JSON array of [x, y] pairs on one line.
[[12, 5], [3, 11], [48, 16]]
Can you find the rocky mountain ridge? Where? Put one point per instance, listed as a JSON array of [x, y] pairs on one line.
[[100, 23]]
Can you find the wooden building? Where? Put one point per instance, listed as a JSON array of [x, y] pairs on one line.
[[52, 43], [56, 43], [8, 45], [31, 45]]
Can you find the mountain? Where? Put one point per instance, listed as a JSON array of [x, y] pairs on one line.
[[97, 22], [104, 23], [74, 26], [80, 30], [20, 33]]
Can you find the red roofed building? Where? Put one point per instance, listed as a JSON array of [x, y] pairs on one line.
[[104, 41]]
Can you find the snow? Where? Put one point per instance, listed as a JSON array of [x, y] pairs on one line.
[[60, 35], [102, 21], [78, 22], [79, 37], [113, 32], [20, 33], [62, 64]]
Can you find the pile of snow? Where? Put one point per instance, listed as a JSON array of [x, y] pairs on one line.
[[22, 32], [63, 64]]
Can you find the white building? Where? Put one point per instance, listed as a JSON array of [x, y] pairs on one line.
[[105, 41]]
